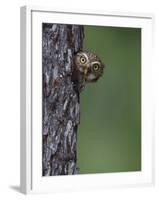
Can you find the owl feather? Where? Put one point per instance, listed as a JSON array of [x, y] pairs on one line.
[[87, 68]]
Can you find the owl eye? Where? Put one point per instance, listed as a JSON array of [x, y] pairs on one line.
[[82, 59], [96, 67]]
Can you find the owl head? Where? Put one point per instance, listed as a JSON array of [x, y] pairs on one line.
[[89, 65]]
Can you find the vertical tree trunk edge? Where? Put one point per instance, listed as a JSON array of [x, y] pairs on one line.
[[60, 103]]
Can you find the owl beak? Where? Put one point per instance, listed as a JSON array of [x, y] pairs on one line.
[[85, 72], [86, 69]]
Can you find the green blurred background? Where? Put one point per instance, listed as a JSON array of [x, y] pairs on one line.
[[109, 135]]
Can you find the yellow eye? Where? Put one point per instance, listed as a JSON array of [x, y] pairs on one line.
[[96, 67], [82, 59]]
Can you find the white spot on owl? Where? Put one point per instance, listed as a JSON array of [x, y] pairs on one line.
[[91, 77]]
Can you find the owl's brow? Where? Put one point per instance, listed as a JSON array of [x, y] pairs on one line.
[[96, 62], [85, 55]]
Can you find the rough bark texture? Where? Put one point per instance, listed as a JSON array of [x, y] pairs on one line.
[[61, 113]]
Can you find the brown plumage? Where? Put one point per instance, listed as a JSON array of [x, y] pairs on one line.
[[88, 68]]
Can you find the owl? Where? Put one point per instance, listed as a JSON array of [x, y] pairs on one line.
[[88, 68]]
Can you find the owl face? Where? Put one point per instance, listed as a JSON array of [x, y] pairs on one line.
[[89, 65]]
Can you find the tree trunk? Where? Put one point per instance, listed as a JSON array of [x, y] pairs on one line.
[[61, 112]]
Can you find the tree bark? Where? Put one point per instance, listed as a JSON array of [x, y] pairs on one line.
[[61, 111]]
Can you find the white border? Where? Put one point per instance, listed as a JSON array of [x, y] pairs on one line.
[[31, 101]]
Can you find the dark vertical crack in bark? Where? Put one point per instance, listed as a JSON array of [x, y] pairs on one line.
[[61, 111]]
